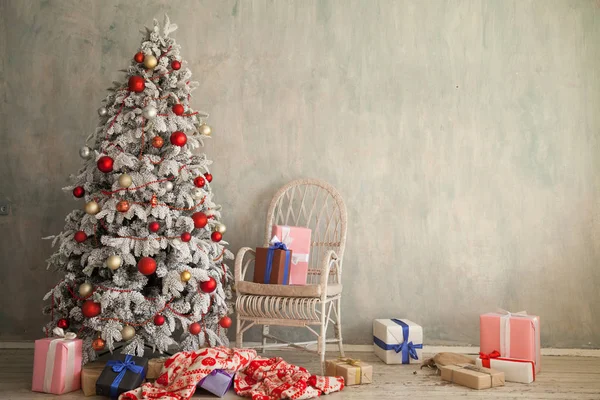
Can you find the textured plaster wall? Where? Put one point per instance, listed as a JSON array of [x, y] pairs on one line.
[[464, 136]]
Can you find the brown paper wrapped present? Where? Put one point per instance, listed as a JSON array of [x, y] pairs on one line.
[[155, 366], [354, 372], [89, 375], [280, 269], [472, 376]]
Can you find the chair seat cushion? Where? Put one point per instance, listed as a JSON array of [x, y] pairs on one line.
[[261, 289]]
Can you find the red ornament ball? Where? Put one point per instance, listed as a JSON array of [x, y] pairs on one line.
[[78, 192], [157, 142], [123, 206], [208, 286], [98, 344], [178, 138], [175, 65], [186, 237], [136, 84], [159, 320], [216, 236], [80, 236], [90, 309], [139, 57], [199, 181], [225, 322], [200, 219], [105, 164], [63, 323], [177, 109], [208, 177], [153, 226], [195, 328], [146, 265]]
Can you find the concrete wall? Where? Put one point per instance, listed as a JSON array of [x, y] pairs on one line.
[[464, 136]]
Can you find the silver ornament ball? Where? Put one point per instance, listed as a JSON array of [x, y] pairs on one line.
[[197, 193], [205, 130], [103, 111], [85, 152], [168, 186], [219, 227], [85, 289], [149, 112]]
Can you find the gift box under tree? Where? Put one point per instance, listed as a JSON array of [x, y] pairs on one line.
[[515, 370], [397, 341], [121, 374], [57, 363]]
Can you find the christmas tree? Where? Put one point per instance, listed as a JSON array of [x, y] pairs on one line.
[[143, 257]]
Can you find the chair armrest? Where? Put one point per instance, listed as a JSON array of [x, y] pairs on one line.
[[331, 260], [240, 266]]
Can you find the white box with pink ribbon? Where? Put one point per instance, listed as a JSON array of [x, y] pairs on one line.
[[57, 363]]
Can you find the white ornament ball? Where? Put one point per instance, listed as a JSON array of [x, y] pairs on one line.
[[128, 332], [125, 181], [219, 227], [168, 186], [113, 262], [205, 130], [149, 112], [85, 152], [197, 193], [103, 111]]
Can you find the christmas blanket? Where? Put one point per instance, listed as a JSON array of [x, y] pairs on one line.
[[256, 377]]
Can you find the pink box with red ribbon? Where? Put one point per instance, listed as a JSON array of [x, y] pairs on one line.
[[57, 364], [513, 335]]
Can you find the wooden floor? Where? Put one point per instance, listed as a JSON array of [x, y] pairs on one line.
[[561, 378]]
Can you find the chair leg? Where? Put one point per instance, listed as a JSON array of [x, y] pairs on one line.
[[239, 342], [338, 327], [265, 331], [322, 343]]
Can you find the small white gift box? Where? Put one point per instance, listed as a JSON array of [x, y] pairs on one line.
[[398, 341]]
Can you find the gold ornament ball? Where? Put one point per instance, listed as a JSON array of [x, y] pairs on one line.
[[205, 130], [221, 228], [128, 332], [186, 276], [92, 207], [113, 262], [125, 181], [85, 289], [150, 61]]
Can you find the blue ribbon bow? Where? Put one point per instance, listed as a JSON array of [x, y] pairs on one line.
[[408, 349], [270, 254], [122, 367]]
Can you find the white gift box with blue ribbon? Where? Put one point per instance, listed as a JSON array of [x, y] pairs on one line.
[[398, 341]]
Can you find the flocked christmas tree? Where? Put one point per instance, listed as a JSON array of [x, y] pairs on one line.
[[143, 257]]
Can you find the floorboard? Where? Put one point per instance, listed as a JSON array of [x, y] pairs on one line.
[[561, 378]]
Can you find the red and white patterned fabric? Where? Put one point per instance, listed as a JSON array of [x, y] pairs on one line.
[[256, 377]]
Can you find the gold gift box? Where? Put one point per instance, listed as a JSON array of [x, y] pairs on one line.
[[354, 372], [89, 375], [155, 366], [472, 376]]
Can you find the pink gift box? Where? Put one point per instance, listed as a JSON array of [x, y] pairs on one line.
[[514, 335], [297, 239], [57, 365]]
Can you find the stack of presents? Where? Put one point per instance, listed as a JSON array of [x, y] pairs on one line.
[[509, 342]]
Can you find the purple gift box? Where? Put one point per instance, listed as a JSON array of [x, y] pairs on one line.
[[218, 382]]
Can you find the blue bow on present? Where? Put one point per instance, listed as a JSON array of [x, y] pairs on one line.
[[276, 245], [408, 349], [122, 367]]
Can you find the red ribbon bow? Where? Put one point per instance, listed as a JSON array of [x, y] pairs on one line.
[[485, 358]]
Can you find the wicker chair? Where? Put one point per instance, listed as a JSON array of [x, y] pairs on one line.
[[316, 205]]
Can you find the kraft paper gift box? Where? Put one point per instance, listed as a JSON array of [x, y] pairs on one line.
[[297, 239], [397, 341], [472, 376], [57, 363], [155, 367], [354, 372], [217, 382], [89, 376], [515, 370], [514, 335], [272, 264], [121, 374]]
